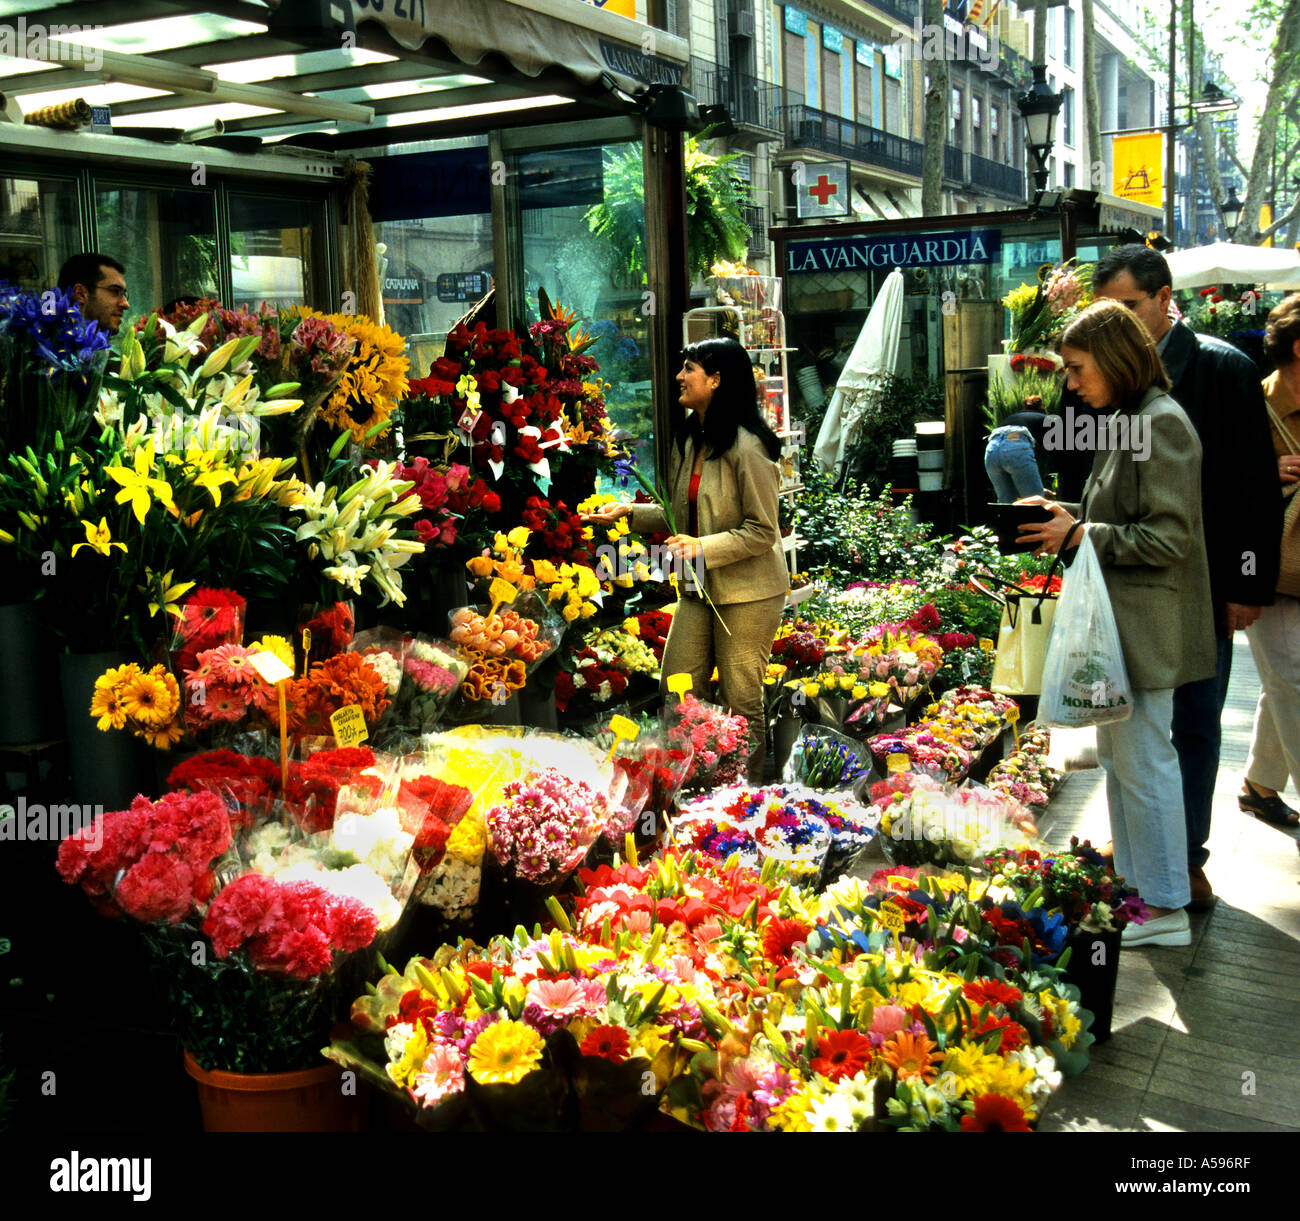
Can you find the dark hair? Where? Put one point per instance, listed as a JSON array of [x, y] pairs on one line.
[[1147, 267], [1125, 354], [1282, 330], [734, 404], [86, 269]]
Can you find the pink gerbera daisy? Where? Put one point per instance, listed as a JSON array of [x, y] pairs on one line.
[[441, 1075], [223, 703], [230, 664], [559, 997]]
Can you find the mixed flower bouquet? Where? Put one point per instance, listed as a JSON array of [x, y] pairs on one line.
[[1039, 313], [432, 672], [1075, 883], [824, 760], [720, 742], [541, 829], [1025, 775]]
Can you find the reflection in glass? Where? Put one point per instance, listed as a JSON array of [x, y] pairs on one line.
[[271, 251], [38, 229], [588, 275], [166, 239]]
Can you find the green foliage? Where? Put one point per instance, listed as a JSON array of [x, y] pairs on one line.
[[715, 196], [1004, 400]]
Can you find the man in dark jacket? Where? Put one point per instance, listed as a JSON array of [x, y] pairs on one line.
[[1241, 507]]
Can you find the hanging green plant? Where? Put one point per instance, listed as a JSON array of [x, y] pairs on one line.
[[715, 199]]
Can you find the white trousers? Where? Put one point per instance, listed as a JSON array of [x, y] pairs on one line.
[[1275, 745]]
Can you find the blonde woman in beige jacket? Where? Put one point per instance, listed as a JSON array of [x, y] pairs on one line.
[[722, 488]]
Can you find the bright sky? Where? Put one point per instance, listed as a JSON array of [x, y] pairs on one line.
[[1246, 59]]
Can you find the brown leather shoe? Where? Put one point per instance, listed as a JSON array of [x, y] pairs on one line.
[[1203, 896]]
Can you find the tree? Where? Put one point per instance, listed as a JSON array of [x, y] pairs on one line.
[[1091, 106], [936, 112], [1277, 143]]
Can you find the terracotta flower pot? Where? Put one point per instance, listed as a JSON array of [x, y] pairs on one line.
[[309, 1100]]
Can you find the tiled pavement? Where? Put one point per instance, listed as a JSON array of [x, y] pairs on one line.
[[1204, 1037]]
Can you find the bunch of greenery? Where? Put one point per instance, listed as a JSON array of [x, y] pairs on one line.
[[715, 198], [1031, 388]]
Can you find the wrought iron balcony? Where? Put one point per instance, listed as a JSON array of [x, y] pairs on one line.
[[954, 168], [904, 10], [750, 101], [997, 178], [807, 127], [756, 219]]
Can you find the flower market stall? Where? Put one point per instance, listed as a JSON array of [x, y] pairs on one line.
[[387, 785]]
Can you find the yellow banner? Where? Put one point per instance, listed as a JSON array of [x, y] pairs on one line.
[[624, 8], [1137, 163]]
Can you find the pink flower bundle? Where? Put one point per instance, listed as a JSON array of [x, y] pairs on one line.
[[720, 742], [544, 825], [151, 862], [222, 686], [289, 927]]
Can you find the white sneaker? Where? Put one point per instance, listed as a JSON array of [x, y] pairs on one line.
[[1173, 929]]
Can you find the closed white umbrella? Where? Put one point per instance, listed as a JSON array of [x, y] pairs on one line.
[[859, 391], [1229, 263]]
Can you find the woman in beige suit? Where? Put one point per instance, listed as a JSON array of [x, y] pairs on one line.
[[1146, 528], [722, 486]]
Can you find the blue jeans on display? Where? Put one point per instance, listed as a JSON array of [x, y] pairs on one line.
[[1145, 796], [1009, 461], [1198, 709]]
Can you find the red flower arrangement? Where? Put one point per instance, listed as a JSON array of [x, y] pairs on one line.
[[151, 862], [1037, 582], [1037, 364], [314, 784], [208, 618], [293, 927], [332, 627], [995, 1113], [557, 532], [591, 677], [608, 1042], [652, 627], [430, 808], [841, 1053]]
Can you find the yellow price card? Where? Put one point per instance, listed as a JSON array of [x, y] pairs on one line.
[[349, 725], [891, 917], [679, 684], [623, 730], [500, 591], [898, 762]]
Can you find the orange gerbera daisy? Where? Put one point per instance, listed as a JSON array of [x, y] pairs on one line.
[[911, 1056]]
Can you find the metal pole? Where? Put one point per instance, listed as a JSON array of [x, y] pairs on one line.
[[1171, 138]]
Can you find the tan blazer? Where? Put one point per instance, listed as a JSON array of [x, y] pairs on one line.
[[1145, 523], [737, 509]]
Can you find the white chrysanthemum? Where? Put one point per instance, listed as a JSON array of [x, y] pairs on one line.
[[832, 1114], [396, 1038]]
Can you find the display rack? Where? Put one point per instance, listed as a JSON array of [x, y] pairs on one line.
[[749, 312]]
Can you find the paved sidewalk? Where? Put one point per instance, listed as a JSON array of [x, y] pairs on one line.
[[1204, 1037]]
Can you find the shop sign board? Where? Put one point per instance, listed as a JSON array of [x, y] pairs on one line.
[[865, 253], [403, 290], [463, 285]]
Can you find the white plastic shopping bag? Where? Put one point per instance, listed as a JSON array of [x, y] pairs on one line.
[[1085, 681]]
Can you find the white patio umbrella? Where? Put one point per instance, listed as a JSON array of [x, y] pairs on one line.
[[1229, 263], [858, 392]]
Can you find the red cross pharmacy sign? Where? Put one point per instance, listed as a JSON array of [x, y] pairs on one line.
[[821, 188]]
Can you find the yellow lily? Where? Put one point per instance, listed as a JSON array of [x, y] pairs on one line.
[[209, 475], [170, 592], [98, 538], [138, 484]]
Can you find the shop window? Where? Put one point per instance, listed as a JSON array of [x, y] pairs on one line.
[[166, 239], [272, 251], [38, 229], [595, 276]]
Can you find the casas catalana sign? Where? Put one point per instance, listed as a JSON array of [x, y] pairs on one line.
[[895, 250]]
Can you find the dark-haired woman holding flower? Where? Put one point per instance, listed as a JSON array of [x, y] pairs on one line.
[[722, 487]]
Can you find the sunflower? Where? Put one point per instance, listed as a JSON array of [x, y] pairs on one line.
[[911, 1056], [505, 1053], [106, 704], [373, 381], [147, 700]]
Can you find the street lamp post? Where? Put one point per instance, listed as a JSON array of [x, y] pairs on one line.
[[1231, 212], [1039, 108]]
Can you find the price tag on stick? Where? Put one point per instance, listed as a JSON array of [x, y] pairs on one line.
[[1013, 715], [272, 670], [500, 591], [891, 917], [679, 685], [349, 725], [623, 730]]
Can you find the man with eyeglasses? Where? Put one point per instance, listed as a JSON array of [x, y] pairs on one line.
[[98, 284], [1218, 386]]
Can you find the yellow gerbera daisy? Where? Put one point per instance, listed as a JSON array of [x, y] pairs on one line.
[[147, 700], [277, 645], [505, 1053], [164, 737], [106, 705]]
